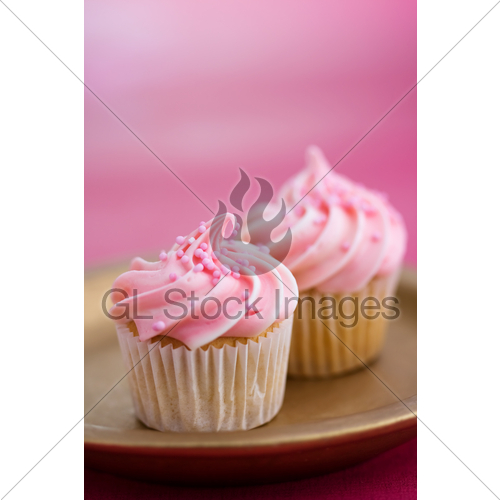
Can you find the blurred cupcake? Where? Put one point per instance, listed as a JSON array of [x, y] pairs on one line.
[[205, 334], [346, 252]]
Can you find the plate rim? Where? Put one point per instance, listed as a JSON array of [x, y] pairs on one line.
[[401, 415]]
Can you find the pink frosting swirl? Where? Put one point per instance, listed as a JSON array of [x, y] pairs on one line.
[[256, 289], [343, 234]]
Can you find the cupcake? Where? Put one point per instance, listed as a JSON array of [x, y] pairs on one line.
[[205, 332], [347, 247]]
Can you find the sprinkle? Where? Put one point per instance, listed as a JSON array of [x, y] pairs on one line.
[[202, 229], [376, 236], [334, 199], [180, 240], [163, 256], [349, 202], [206, 261], [159, 326], [238, 226], [202, 223], [345, 246], [235, 232], [198, 268], [216, 274], [185, 259], [252, 268], [191, 240], [172, 276], [224, 251], [320, 219], [368, 208], [215, 281], [236, 276], [235, 269], [264, 249], [198, 252], [203, 246], [210, 265], [231, 242], [204, 255], [179, 253], [239, 261], [224, 270], [244, 262]]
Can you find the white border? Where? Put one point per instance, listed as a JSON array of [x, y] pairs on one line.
[[41, 197], [458, 249]]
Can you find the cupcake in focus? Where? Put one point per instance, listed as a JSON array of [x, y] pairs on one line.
[[347, 247], [205, 332]]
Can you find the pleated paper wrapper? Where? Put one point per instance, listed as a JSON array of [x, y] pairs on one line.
[[226, 389], [316, 352]]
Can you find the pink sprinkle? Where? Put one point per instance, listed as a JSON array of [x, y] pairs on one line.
[[180, 240], [349, 202], [225, 270], [235, 232], [236, 276], [163, 256], [159, 326], [245, 262], [204, 255], [203, 246], [202, 223], [376, 236], [198, 252], [238, 226], [252, 268], [172, 276], [179, 253], [198, 268], [239, 261], [334, 199], [210, 265], [215, 281], [202, 229], [185, 259], [206, 261], [345, 246], [264, 249], [320, 219], [235, 269], [191, 240], [231, 242], [216, 274], [224, 251], [367, 208]]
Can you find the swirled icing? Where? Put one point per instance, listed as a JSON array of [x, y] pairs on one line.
[[343, 234], [205, 264]]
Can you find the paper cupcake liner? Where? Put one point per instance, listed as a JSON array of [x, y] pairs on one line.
[[315, 352], [226, 389]]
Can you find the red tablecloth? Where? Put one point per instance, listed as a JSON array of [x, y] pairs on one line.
[[391, 475]]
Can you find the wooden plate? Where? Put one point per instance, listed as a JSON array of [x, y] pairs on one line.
[[323, 425]]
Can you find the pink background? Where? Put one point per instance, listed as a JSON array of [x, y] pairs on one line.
[[212, 86]]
